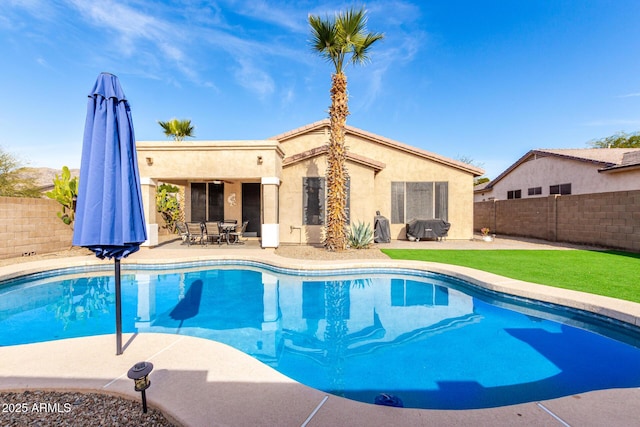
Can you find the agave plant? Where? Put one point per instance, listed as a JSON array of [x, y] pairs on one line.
[[360, 235]]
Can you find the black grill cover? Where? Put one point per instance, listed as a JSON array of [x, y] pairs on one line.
[[381, 231], [427, 228]]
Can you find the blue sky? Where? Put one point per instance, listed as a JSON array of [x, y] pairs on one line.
[[484, 80]]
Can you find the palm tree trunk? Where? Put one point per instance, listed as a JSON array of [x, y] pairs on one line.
[[337, 176]]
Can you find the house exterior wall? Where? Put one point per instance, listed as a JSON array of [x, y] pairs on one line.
[[546, 171], [182, 161], [370, 190], [410, 168], [374, 166], [362, 199], [610, 219]]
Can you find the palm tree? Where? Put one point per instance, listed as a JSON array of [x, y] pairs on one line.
[[335, 40], [178, 129]]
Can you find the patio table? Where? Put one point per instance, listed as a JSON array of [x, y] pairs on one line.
[[227, 228]]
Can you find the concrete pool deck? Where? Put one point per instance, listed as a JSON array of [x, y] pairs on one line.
[[204, 383]]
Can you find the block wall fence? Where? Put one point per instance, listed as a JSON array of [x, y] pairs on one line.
[[610, 220], [30, 226]]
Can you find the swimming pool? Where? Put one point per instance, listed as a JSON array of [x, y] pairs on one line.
[[431, 340]]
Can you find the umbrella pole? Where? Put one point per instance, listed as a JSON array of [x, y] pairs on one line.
[[118, 309]]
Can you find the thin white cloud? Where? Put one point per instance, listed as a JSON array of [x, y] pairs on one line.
[[629, 95], [199, 38], [375, 78], [11, 18], [40, 9], [288, 96], [400, 46], [254, 79], [43, 62], [132, 26], [288, 16]]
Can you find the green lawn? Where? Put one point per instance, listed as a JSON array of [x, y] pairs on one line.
[[610, 273]]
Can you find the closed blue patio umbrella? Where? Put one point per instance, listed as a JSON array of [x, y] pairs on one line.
[[109, 214]]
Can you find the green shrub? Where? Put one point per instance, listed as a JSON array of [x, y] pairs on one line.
[[65, 191], [168, 205]]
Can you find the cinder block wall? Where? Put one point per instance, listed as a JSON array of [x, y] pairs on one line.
[[484, 215], [610, 220], [30, 226], [523, 217], [607, 219]]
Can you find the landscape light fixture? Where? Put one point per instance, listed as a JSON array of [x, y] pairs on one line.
[[139, 373]]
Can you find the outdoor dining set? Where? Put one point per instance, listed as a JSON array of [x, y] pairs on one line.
[[206, 232]]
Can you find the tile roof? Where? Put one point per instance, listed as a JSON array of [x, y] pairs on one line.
[[374, 164], [383, 141], [609, 156]]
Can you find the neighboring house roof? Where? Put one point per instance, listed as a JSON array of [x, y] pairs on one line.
[[383, 141], [630, 160], [608, 159], [481, 187], [374, 164]]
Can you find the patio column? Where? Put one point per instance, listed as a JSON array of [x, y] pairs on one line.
[[148, 188], [270, 212]]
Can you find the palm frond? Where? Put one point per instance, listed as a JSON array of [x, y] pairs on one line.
[[325, 38], [360, 52], [178, 129], [334, 39]]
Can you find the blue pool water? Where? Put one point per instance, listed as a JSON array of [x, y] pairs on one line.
[[430, 340]]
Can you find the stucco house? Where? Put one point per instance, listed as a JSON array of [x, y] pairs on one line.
[[541, 173], [277, 184]]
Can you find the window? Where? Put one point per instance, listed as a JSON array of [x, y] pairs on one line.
[[313, 200], [198, 201], [411, 200], [560, 189], [514, 194], [534, 191], [397, 202], [207, 201], [216, 202]]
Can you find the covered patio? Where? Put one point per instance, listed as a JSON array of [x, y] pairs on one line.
[[222, 180]]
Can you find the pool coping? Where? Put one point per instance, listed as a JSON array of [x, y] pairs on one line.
[[71, 363]]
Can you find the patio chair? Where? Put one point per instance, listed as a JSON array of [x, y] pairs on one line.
[[211, 232], [195, 232], [236, 235], [183, 232]]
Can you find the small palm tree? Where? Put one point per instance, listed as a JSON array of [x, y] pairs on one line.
[[335, 40], [177, 129]]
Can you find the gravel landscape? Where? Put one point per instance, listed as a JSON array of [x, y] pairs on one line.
[[70, 409]]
